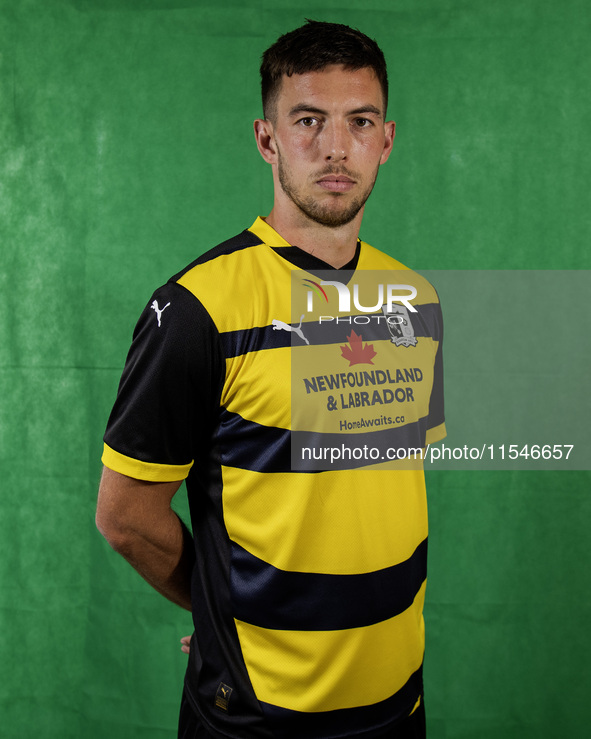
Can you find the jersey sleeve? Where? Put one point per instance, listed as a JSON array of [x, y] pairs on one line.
[[436, 422], [168, 398]]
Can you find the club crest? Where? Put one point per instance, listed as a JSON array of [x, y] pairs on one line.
[[399, 325]]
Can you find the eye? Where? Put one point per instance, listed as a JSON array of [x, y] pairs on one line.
[[308, 122], [363, 122]]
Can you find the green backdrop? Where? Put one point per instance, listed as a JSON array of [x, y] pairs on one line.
[[125, 151]]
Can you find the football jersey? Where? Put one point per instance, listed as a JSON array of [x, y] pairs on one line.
[[310, 572]]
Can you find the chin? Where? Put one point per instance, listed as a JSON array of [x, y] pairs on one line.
[[332, 218]]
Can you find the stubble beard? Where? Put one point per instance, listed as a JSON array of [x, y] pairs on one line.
[[324, 214]]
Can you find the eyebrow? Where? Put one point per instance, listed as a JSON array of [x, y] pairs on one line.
[[366, 109], [304, 108]]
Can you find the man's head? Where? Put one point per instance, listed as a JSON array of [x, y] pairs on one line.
[[324, 131], [314, 47]]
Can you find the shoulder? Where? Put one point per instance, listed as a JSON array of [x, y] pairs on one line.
[[186, 310], [229, 270], [215, 258], [174, 327], [374, 259]]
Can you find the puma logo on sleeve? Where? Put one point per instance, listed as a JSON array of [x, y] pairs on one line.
[[159, 312]]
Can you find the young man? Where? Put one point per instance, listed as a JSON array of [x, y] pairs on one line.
[[306, 582]]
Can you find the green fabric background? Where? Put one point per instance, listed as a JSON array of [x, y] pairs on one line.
[[125, 151]]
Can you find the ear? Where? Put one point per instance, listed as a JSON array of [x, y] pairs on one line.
[[390, 132], [265, 138]]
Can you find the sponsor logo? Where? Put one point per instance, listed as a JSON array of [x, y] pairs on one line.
[[355, 352], [159, 311], [282, 326]]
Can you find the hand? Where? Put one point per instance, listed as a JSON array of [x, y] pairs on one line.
[[186, 642]]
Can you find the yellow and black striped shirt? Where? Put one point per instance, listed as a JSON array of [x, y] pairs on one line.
[[309, 581]]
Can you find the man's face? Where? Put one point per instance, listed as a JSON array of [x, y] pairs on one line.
[[330, 139]]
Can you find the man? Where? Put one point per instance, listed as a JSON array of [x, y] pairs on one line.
[[306, 582]]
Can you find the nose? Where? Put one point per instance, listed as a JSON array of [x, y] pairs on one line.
[[335, 143]]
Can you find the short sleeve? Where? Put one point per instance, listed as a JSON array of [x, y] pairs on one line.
[[168, 399]]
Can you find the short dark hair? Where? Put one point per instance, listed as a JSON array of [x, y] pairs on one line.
[[311, 48]]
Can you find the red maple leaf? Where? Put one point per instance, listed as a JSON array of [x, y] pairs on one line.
[[356, 353]]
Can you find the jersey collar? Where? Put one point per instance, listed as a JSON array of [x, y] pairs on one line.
[[267, 234], [298, 257]]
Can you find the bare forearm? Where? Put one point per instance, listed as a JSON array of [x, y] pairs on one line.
[[163, 557], [136, 519]]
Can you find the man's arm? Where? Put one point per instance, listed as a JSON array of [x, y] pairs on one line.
[[136, 519]]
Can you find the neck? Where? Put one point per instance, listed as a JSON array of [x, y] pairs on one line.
[[335, 246]]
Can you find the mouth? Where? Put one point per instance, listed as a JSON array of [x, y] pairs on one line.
[[336, 183]]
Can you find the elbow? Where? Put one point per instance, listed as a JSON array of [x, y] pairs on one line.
[[119, 511], [103, 523], [113, 530]]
